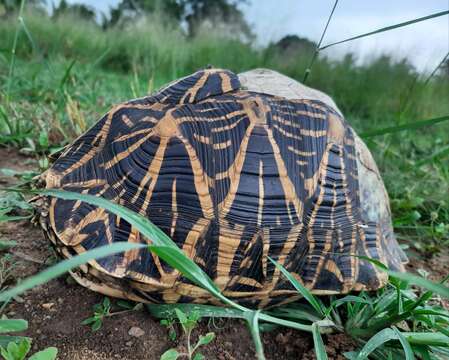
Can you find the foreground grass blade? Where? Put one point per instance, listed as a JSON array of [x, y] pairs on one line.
[[66, 265], [437, 288], [184, 265], [300, 288], [253, 324], [376, 341], [161, 244], [164, 311], [409, 126], [13, 325], [405, 345], [320, 350], [388, 28]]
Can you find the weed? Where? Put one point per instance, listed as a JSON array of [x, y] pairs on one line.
[[188, 322], [103, 310], [18, 347]]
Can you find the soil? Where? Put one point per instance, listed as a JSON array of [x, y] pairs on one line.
[[55, 310]]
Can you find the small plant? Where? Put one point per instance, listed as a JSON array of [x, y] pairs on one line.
[[18, 347], [169, 324], [188, 323], [103, 310], [13, 206]]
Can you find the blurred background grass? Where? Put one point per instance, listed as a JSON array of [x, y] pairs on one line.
[[69, 68]]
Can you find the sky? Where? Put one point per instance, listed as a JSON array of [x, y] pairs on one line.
[[424, 43]]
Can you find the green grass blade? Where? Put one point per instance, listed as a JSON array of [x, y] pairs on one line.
[[187, 267], [376, 341], [12, 325], [13, 51], [162, 245], [46, 354], [164, 311], [66, 265], [440, 153], [252, 318], [388, 28], [300, 288], [436, 288], [427, 338], [320, 350], [408, 351], [409, 126], [351, 299], [67, 74]]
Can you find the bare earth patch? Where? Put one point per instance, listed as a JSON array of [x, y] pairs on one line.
[[55, 310]]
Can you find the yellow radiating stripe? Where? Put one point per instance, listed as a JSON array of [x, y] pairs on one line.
[[195, 88], [289, 189], [234, 172], [301, 153], [286, 133], [120, 156], [222, 145], [201, 138], [225, 82], [201, 180], [174, 209], [152, 173]]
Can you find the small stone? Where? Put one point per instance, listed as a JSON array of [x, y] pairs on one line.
[[48, 306], [136, 332], [128, 343]]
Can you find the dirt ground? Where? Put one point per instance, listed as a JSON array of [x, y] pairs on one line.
[[55, 310]]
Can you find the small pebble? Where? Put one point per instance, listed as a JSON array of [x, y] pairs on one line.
[[136, 332], [128, 343], [48, 305]]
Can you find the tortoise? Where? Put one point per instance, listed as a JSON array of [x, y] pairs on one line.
[[235, 169]]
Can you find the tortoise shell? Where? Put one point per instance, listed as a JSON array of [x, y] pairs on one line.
[[233, 176]]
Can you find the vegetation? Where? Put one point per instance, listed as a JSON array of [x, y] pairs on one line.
[[188, 322], [59, 74]]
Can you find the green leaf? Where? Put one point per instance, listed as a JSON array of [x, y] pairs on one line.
[[6, 339], [167, 310], [18, 351], [47, 354], [408, 351], [408, 126], [377, 340], [300, 288], [320, 350], [206, 339], [106, 303], [66, 265], [13, 325], [182, 318], [351, 299], [6, 244], [252, 318], [427, 338], [88, 321], [198, 356], [171, 354], [388, 28], [97, 325]]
